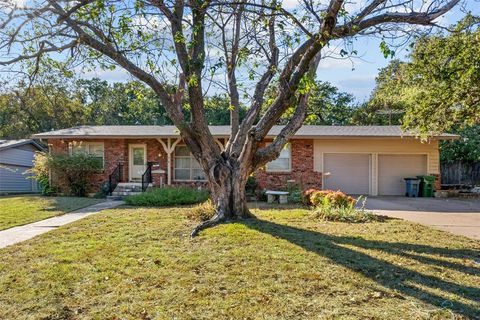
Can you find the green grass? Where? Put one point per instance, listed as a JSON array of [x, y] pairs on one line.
[[169, 196], [138, 263], [19, 210]]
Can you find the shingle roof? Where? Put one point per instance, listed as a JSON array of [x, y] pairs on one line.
[[4, 144], [224, 131]]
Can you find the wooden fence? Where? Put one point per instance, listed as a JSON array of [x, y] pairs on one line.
[[461, 173]]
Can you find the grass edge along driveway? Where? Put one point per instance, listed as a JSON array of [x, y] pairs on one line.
[[20, 210], [136, 263]]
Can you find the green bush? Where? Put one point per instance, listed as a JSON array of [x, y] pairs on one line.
[[202, 212], [330, 211], [170, 196], [75, 169], [294, 193], [40, 174]]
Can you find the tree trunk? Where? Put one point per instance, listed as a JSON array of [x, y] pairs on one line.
[[227, 190]]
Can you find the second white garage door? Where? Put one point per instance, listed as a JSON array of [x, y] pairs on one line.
[[348, 172], [392, 168]]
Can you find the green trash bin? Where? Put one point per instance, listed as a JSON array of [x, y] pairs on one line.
[[426, 186]]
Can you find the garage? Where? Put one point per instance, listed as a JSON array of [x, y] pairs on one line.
[[392, 168], [348, 172]]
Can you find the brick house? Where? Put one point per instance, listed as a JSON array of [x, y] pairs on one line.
[[371, 160]]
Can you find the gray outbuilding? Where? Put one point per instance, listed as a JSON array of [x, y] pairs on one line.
[[16, 157]]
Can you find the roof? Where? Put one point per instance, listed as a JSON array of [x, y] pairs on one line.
[[5, 144], [224, 131]]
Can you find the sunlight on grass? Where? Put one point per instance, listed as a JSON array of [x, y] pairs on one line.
[[140, 263], [19, 210]]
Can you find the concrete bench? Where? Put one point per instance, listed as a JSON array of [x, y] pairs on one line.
[[273, 195]]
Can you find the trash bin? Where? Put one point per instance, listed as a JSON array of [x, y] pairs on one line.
[[426, 185], [412, 187]]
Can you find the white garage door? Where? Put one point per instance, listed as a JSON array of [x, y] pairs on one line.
[[348, 172], [392, 168]]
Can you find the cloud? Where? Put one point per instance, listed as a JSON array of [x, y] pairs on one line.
[[116, 75], [360, 86]]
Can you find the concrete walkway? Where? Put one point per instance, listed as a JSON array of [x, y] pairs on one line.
[[28, 231], [458, 216]]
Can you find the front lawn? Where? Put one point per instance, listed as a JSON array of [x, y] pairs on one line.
[[138, 263], [19, 210]]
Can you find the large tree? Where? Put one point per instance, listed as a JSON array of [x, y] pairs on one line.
[[438, 86], [196, 44]]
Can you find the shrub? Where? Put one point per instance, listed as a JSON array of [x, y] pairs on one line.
[[251, 185], [202, 212], [40, 174], [349, 213], [170, 196], [337, 199], [75, 169], [294, 193]]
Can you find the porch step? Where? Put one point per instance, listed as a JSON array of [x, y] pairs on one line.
[[124, 189]]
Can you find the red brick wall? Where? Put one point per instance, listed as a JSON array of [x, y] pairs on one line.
[[302, 172], [115, 152]]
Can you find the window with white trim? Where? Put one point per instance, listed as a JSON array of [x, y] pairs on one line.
[[94, 149], [283, 163], [186, 166]]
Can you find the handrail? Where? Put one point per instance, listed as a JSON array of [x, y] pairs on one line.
[[115, 178], [147, 176]]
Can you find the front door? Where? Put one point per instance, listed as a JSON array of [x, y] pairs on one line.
[[137, 161]]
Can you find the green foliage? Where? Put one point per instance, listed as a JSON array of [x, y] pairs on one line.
[[170, 196], [251, 186], [59, 102], [466, 149], [294, 193], [40, 173], [327, 105], [328, 210], [201, 212], [438, 87], [75, 170]]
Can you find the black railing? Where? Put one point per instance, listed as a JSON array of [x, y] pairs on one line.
[[115, 178], [147, 176]]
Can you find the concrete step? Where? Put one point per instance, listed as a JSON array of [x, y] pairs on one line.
[[124, 193]]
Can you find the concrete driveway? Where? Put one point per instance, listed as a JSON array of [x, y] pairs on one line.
[[458, 216]]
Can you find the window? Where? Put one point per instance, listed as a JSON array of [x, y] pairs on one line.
[[283, 162], [94, 149], [186, 167]]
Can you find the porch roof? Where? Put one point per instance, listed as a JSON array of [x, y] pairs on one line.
[[316, 132]]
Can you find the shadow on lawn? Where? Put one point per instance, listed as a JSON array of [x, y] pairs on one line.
[[404, 281]]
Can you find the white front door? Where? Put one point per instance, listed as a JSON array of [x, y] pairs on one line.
[[137, 161]]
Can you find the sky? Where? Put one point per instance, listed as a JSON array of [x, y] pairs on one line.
[[356, 75]]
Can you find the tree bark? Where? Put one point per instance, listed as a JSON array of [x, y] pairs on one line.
[[227, 190]]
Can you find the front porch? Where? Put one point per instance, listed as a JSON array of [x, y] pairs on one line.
[[146, 162]]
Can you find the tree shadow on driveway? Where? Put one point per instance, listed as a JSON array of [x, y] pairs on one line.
[[405, 281]]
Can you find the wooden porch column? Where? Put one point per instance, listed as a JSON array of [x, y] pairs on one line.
[[169, 149]]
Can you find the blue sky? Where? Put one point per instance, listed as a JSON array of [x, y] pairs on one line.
[[356, 76]]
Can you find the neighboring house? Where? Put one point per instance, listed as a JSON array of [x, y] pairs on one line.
[[16, 156], [371, 160]]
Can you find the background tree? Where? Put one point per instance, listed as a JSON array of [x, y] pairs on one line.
[[172, 46], [438, 89], [327, 105]]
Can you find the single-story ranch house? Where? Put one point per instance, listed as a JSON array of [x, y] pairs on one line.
[[370, 160]]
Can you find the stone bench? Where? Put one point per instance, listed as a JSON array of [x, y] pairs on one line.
[[273, 195]]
